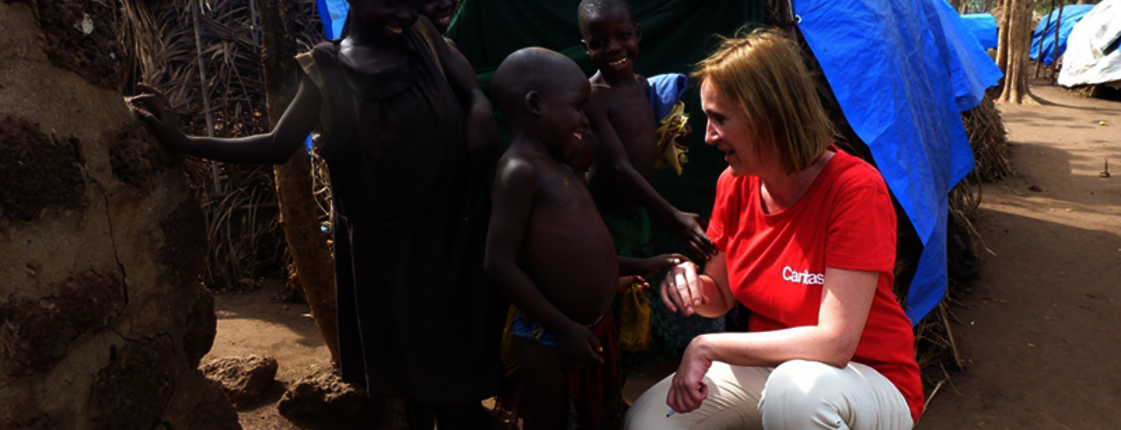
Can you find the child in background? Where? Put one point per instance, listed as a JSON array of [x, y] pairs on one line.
[[549, 251], [407, 136], [621, 119]]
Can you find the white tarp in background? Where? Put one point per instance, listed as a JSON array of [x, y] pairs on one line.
[[1085, 61]]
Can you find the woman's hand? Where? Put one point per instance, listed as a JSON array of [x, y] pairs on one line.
[[688, 389], [690, 229], [482, 141], [683, 289], [153, 106]]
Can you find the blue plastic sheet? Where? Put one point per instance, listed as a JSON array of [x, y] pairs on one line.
[[902, 71], [333, 14], [983, 26], [665, 90], [1045, 32]]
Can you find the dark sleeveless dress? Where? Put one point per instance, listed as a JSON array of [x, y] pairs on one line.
[[416, 315]]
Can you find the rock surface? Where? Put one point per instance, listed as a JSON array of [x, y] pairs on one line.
[[102, 319], [243, 379]]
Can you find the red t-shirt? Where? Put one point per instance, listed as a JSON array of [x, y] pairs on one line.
[[777, 261]]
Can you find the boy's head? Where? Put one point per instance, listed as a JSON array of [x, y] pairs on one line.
[[544, 94], [383, 20], [610, 36], [439, 12]]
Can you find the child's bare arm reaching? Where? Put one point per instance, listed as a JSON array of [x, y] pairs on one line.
[[610, 153], [274, 147], [514, 190], [482, 133], [647, 267]]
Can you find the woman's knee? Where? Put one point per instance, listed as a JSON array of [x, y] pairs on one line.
[[802, 388]]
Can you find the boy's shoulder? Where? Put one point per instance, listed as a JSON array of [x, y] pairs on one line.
[[518, 165]]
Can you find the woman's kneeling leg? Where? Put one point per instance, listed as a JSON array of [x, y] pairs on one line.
[[811, 395], [732, 403]]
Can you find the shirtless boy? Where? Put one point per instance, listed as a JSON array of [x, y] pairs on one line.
[[549, 251], [621, 118]]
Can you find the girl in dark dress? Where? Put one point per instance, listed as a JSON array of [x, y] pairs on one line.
[[409, 140]]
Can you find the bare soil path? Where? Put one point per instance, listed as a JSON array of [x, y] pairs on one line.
[[1040, 333]]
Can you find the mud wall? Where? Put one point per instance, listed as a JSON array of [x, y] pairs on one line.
[[102, 324]]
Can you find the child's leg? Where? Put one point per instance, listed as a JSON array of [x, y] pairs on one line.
[[544, 386]]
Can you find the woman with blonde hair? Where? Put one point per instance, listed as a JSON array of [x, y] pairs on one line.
[[806, 236]]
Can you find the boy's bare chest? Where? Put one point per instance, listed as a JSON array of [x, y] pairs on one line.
[[563, 194], [632, 118]]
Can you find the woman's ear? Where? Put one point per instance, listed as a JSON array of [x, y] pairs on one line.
[[637, 32], [533, 103]]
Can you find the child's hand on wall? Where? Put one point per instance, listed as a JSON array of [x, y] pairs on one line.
[[153, 106]]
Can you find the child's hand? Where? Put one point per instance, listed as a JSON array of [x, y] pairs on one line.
[[626, 281], [153, 107], [657, 264], [482, 142], [690, 229], [579, 347]]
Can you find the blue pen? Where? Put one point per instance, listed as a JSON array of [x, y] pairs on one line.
[[670, 413]]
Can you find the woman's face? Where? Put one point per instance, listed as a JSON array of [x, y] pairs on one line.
[[728, 130]]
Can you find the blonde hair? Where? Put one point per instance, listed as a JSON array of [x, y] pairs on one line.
[[762, 72]]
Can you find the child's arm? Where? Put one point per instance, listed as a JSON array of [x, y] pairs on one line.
[[647, 267], [482, 132], [274, 147], [611, 154], [514, 190]]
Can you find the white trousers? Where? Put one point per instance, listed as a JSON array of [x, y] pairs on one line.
[[796, 395]]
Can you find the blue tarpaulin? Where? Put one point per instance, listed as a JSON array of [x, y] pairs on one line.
[[983, 26], [333, 14], [903, 71], [1071, 15]]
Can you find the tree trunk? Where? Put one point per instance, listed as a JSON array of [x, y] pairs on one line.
[[1019, 41], [298, 216], [1002, 43], [957, 4]]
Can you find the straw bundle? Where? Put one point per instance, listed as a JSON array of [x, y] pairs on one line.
[[226, 97], [987, 136]]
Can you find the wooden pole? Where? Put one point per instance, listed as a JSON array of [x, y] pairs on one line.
[[1055, 55], [298, 213], [1039, 47], [195, 12]]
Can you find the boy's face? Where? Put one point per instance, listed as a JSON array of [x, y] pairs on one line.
[[386, 20], [561, 119], [611, 39], [582, 159], [439, 12]]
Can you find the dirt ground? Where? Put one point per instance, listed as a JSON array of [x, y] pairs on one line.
[[1040, 332]]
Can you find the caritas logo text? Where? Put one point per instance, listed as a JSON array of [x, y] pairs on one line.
[[803, 277]]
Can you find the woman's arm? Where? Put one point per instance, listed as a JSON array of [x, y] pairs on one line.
[[274, 147], [845, 303]]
